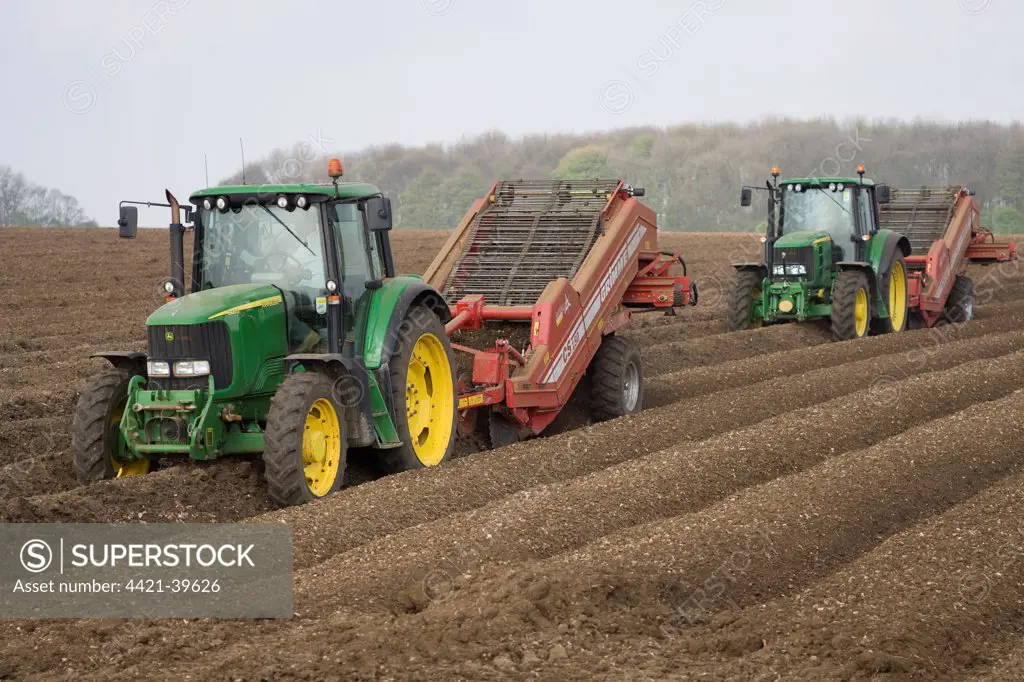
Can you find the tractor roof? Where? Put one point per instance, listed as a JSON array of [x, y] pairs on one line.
[[815, 182], [345, 190]]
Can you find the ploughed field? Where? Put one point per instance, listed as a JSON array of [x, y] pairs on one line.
[[786, 506]]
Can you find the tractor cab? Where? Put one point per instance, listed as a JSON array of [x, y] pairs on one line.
[[816, 223], [812, 211], [318, 249], [323, 247]]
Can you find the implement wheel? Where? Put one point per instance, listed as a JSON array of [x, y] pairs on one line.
[[851, 306], [306, 446], [894, 291], [97, 449], [422, 393], [960, 304], [617, 379], [744, 293]]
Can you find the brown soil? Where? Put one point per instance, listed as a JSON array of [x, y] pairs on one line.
[[786, 507]]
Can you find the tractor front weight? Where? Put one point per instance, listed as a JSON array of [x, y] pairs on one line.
[[183, 423], [800, 301]]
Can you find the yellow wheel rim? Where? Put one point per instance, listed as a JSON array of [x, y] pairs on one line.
[[897, 296], [124, 467], [860, 312], [135, 467], [429, 400], [321, 447]]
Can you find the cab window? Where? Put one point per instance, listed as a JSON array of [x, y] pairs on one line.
[[264, 244], [349, 234], [867, 215]]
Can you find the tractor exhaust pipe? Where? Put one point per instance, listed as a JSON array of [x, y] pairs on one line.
[[177, 246]]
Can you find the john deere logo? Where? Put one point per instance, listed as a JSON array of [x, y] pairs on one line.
[[169, 336]]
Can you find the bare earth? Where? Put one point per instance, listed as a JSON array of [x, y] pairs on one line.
[[786, 507]]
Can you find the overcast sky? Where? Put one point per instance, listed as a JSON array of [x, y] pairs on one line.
[[121, 98]]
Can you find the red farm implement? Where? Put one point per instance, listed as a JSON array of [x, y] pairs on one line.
[[567, 263], [943, 226]]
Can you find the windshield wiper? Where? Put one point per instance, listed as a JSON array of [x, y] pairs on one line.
[[829, 195], [297, 237]]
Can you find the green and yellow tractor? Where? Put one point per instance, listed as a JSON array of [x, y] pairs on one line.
[[825, 257], [293, 340]]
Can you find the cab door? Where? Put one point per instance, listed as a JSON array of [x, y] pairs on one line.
[[865, 222], [359, 262]]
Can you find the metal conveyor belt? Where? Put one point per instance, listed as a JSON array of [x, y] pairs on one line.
[[922, 215], [532, 233]]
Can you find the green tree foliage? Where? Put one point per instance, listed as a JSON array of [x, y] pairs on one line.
[[25, 204], [1006, 219], [590, 162], [692, 172], [431, 199], [1010, 171]]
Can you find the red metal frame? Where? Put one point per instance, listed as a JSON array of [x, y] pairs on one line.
[[623, 271], [965, 242]]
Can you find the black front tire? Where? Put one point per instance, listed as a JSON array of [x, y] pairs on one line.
[[851, 306], [95, 429], [617, 379], [745, 289], [298, 396]]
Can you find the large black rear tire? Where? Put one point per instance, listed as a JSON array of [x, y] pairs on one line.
[[893, 288], [745, 290], [422, 393], [95, 429], [306, 444], [617, 379]]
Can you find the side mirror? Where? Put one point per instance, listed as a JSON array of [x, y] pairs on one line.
[[378, 214], [746, 196], [882, 194], [128, 222]]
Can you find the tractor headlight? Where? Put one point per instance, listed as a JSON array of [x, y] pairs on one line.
[[156, 368], [222, 204], [282, 201], [794, 270], [302, 202], [207, 204], [192, 368]]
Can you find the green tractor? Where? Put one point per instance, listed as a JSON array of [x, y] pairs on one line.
[[296, 343], [825, 258]]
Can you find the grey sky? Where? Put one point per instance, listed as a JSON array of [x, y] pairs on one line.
[[121, 98]]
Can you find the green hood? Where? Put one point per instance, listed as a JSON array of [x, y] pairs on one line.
[[216, 304], [801, 238]]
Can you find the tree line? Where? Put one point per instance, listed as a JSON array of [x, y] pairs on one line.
[[23, 203], [692, 173]]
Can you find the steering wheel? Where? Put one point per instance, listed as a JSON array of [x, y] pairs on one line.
[[292, 275]]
